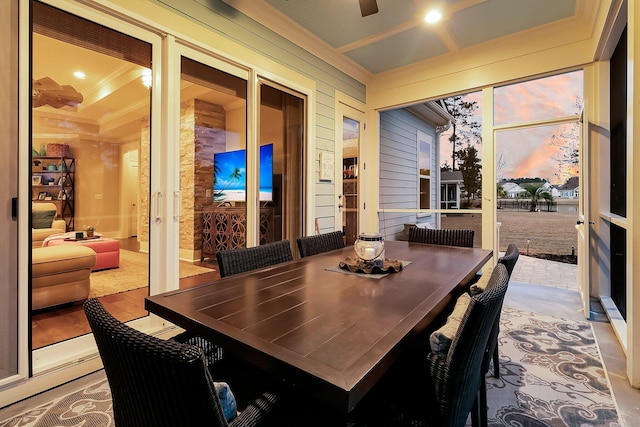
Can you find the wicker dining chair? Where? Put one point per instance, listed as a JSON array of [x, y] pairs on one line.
[[158, 383], [316, 244], [509, 260], [448, 237], [457, 376], [442, 236], [236, 261]]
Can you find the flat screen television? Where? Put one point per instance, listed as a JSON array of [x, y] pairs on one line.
[[230, 177]]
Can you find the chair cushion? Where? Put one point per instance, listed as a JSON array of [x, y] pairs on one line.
[[440, 339], [227, 400], [42, 219]]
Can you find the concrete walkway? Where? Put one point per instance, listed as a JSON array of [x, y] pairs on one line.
[[536, 271]]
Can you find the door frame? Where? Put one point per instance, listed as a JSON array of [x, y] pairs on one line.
[[583, 224]]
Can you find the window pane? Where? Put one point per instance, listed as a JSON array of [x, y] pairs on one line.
[[545, 98], [350, 147], [91, 145], [443, 136], [213, 171], [282, 129], [461, 150], [425, 193], [538, 188]]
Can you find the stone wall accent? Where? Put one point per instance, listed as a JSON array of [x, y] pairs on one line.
[[202, 133], [144, 169]]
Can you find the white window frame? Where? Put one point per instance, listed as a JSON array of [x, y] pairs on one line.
[[430, 140]]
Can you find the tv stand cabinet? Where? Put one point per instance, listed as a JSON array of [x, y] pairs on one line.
[[225, 228]]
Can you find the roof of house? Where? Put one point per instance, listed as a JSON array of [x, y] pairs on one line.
[[571, 184], [451, 176]]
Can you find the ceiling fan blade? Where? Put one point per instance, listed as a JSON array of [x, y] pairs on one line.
[[368, 7]]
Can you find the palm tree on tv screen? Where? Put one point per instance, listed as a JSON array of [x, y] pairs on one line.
[[235, 175]]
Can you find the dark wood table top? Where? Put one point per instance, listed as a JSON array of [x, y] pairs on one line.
[[333, 334]]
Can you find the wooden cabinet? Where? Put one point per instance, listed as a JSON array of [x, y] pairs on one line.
[[53, 181], [226, 227]]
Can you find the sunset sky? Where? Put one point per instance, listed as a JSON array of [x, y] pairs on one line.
[[527, 152]]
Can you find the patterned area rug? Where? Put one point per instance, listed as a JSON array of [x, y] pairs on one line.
[[551, 375], [88, 407]]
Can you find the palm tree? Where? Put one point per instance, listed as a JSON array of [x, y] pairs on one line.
[[535, 192]]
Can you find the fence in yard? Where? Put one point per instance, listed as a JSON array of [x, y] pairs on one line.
[[525, 205]]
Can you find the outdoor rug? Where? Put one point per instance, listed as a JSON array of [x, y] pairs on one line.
[[551, 375]]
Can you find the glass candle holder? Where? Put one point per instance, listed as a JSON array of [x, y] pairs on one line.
[[369, 248]]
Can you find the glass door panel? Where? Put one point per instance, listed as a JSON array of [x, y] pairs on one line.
[[90, 168], [213, 164], [279, 184], [350, 149], [537, 194], [9, 167]]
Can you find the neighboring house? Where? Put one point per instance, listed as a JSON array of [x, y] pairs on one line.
[[513, 190], [570, 189], [450, 189]]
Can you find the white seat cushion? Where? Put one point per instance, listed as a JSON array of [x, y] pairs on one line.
[[440, 339]]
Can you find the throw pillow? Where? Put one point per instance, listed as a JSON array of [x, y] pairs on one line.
[[42, 219], [227, 400], [440, 339]]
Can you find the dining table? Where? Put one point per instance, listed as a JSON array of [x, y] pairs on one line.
[[321, 328]]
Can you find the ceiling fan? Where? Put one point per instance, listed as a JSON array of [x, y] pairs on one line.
[[368, 7], [46, 91]]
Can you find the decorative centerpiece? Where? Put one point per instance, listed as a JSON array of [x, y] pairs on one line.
[[90, 231], [369, 249], [370, 256]]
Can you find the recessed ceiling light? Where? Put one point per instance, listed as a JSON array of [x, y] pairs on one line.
[[79, 75], [432, 16]]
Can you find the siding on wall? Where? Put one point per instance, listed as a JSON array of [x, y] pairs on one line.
[[222, 19], [399, 170]]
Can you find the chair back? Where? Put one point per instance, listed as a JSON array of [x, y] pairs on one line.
[[313, 245], [510, 258], [457, 376], [153, 382], [509, 261], [449, 237], [236, 261]]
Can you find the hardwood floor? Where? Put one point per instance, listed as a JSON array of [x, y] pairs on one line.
[[61, 323]]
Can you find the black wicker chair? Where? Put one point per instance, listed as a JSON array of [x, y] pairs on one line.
[[509, 261], [238, 261], [448, 237], [441, 236], [159, 383], [313, 245], [457, 377]]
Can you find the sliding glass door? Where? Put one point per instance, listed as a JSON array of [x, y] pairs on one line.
[[280, 164], [90, 171], [213, 161], [9, 191]]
